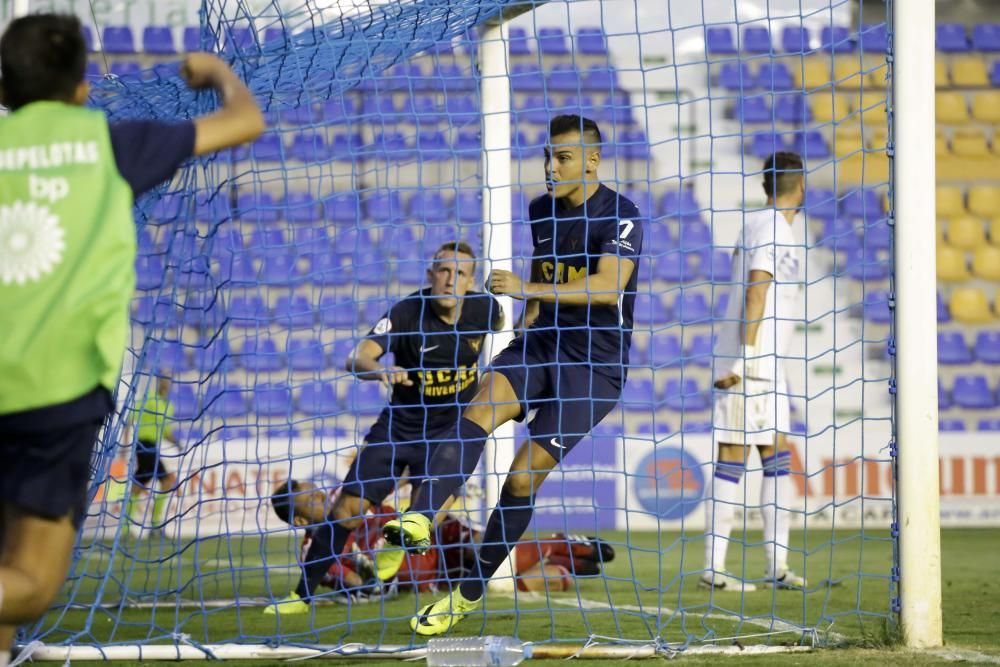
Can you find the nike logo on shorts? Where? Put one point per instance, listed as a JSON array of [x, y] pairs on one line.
[[555, 443], [544, 240]]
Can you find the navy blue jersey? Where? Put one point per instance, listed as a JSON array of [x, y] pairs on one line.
[[442, 360], [568, 245], [148, 152]]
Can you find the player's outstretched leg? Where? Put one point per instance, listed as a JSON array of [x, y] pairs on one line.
[[439, 617]]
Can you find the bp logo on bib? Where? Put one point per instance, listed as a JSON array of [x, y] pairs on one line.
[[31, 242], [669, 483]]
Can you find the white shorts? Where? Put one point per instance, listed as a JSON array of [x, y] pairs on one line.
[[751, 413]]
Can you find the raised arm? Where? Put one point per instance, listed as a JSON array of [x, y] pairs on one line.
[[238, 121]]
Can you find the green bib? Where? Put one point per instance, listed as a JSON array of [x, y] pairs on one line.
[[67, 256]]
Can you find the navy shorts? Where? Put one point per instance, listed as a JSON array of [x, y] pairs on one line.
[[569, 398], [148, 463], [46, 473], [380, 464]]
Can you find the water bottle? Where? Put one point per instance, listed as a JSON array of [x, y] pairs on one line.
[[476, 652]]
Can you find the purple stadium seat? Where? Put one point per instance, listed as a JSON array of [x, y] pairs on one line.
[[338, 313], [986, 37], [774, 76], [650, 309], [944, 398], [552, 41], [364, 398], [721, 305], [821, 203], [674, 267], [952, 348], [371, 268], [692, 308], [189, 434], [988, 347], [342, 208], [267, 148], [411, 271], [309, 146], [655, 431], [863, 203], [294, 312], [93, 71], [312, 241], [468, 145], [346, 145], [717, 265], [88, 38], [518, 45], [680, 204], [303, 115], [392, 145], [125, 68], [212, 355], [526, 77], [792, 108], [169, 356], [839, 234], [469, 206], [158, 39], [756, 40], [257, 207], [837, 39], [340, 110], [616, 109], [267, 241], [249, 312], [600, 78], [306, 354], [874, 38], [736, 76], [228, 402], [260, 355], [952, 38], [454, 78], [272, 400], [665, 351], [329, 269], [765, 143], [752, 110], [876, 307], [878, 235], [811, 144], [951, 425], [973, 393], [638, 395], [301, 207], [192, 39], [429, 207], [563, 77], [683, 395], [590, 41], [280, 269], [342, 349], [519, 205], [433, 146], [635, 144], [867, 265], [118, 39], [719, 40], [695, 426], [379, 109], [149, 272], [694, 235], [318, 399], [699, 352], [995, 74], [461, 109], [988, 425], [795, 39], [184, 400], [385, 207]]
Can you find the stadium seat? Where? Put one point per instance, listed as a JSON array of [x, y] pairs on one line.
[[294, 312], [680, 204], [969, 143], [338, 312], [518, 44], [735, 76], [638, 395], [563, 77], [211, 356], [952, 38], [942, 78], [877, 235], [848, 74], [342, 208], [364, 398], [650, 310], [951, 264], [158, 39], [191, 39], [865, 264], [986, 37], [149, 272], [875, 307], [973, 393], [944, 398], [468, 145], [590, 41], [340, 110], [674, 267], [969, 72], [952, 348], [812, 74], [836, 39], [943, 312], [225, 402], [433, 146], [753, 110], [988, 425], [987, 347], [346, 145], [821, 203], [371, 268], [795, 39], [616, 109], [721, 306], [169, 356], [317, 399], [184, 401], [429, 207], [266, 241], [280, 269], [411, 272], [694, 235], [385, 207], [309, 146], [600, 78], [657, 239], [950, 202], [863, 203], [874, 38], [995, 231], [306, 354], [986, 107], [774, 76], [310, 241], [260, 355], [257, 207], [683, 395], [125, 68], [665, 351], [966, 233], [811, 145], [301, 207], [552, 41], [969, 305], [238, 39], [634, 144], [272, 400], [986, 263], [792, 108], [248, 312], [756, 40], [951, 425], [691, 308], [117, 39], [829, 108], [719, 40], [717, 265], [984, 200], [700, 351], [526, 77], [951, 108]]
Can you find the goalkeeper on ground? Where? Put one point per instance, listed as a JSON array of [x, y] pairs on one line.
[[752, 407], [68, 178], [435, 336]]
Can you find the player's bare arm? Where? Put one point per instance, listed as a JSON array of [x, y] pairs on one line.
[[601, 288], [238, 121], [364, 363], [753, 312]]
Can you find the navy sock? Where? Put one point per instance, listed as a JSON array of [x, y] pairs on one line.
[[326, 545], [453, 461], [506, 525]]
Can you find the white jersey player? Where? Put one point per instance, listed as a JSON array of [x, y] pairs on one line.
[[752, 407]]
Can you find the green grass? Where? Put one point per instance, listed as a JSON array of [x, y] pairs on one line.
[[644, 596]]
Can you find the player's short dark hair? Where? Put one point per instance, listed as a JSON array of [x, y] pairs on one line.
[[782, 172], [282, 500], [573, 123], [456, 246], [42, 57]]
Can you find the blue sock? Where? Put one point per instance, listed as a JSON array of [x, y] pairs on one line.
[[778, 465], [453, 461], [326, 544], [506, 525]]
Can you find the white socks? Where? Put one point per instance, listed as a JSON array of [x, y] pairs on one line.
[[775, 494], [719, 512]]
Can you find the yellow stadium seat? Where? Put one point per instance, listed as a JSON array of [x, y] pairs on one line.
[[878, 138], [969, 143], [847, 141], [941, 74], [986, 106], [984, 201], [951, 265], [995, 231], [966, 233], [941, 144], [970, 305], [949, 202], [986, 262], [814, 73], [871, 108], [828, 107], [996, 141], [969, 72], [951, 108]]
